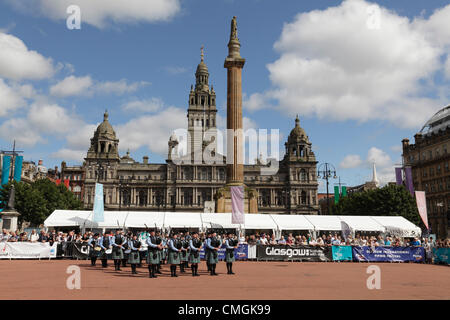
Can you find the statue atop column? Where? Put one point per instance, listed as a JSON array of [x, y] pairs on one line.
[[233, 34]]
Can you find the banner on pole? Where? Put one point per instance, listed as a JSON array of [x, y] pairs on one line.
[[98, 203], [344, 191], [18, 168], [237, 204], [5, 169], [336, 194], [398, 176], [409, 180], [422, 206]]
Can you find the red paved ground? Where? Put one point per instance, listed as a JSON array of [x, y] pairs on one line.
[[32, 279]]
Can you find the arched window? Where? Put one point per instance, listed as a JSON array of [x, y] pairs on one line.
[[303, 176], [303, 197]]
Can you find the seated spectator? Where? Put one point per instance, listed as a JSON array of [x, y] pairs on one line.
[[263, 240], [33, 237], [273, 241], [304, 241], [13, 237], [320, 242], [336, 241], [380, 241], [282, 240], [290, 240], [43, 236], [4, 236], [388, 242]]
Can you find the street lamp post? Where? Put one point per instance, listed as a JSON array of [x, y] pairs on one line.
[[325, 171]]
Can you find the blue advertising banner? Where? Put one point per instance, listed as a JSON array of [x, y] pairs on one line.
[[390, 254], [441, 255], [6, 169], [241, 253], [98, 203], [342, 253], [18, 168]]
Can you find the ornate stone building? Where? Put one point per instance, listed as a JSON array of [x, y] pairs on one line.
[[429, 158], [132, 185]]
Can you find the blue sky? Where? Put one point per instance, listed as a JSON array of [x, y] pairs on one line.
[[359, 90]]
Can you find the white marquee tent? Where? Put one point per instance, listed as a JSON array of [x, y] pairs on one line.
[[274, 222]]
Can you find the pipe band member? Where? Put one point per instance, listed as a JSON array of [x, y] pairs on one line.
[[213, 244], [105, 244], [117, 249], [195, 245], [153, 255], [174, 246], [230, 245], [94, 249], [133, 258]]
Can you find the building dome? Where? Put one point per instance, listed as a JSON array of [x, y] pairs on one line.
[[105, 128], [297, 132], [439, 121]]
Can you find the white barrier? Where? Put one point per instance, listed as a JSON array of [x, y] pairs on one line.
[[27, 250]]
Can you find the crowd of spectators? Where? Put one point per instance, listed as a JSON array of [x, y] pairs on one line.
[[331, 239]]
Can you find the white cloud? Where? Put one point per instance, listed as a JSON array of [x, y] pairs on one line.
[[101, 13], [176, 70], [334, 67], [20, 130], [397, 148], [10, 99], [119, 87], [17, 62], [383, 162], [69, 155], [351, 161], [51, 118], [147, 105], [85, 86], [381, 158], [71, 86], [135, 133]]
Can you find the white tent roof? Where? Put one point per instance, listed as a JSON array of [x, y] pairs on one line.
[[182, 220], [68, 218], [409, 228], [138, 219], [362, 223], [259, 222], [292, 222], [215, 220], [326, 223]]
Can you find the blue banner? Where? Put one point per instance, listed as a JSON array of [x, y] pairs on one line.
[[5, 169], [342, 253], [390, 254], [241, 253], [441, 255], [98, 203], [18, 168]]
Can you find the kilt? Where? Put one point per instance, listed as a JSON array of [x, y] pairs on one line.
[[174, 257], [193, 258], [117, 253], [164, 254], [184, 256], [213, 257], [229, 256], [133, 257], [153, 257], [103, 255]]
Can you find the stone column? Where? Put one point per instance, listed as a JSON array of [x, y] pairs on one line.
[[234, 64]]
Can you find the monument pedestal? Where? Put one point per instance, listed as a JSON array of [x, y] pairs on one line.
[[223, 200], [9, 219]]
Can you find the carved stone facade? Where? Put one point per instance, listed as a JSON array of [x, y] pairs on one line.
[[132, 185]]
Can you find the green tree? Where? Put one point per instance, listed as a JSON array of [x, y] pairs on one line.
[[391, 200], [36, 201]]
